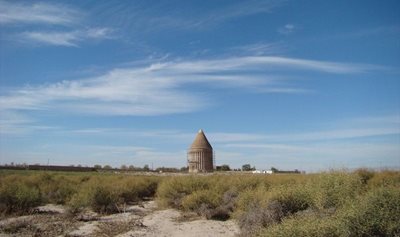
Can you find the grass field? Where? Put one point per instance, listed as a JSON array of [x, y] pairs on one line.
[[336, 203]]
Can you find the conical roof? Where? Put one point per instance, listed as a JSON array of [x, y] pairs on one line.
[[200, 141]]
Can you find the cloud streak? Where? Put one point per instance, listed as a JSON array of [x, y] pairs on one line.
[[50, 24], [70, 39], [168, 87], [160, 17], [37, 13]]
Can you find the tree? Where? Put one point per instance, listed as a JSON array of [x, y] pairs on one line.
[[146, 168], [225, 168], [274, 170], [124, 167], [107, 167], [131, 167], [246, 167], [97, 167]]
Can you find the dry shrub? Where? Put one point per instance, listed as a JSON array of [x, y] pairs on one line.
[[136, 189], [262, 208], [15, 227], [101, 196], [365, 175], [107, 193], [305, 226], [18, 196], [56, 188], [385, 178], [103, 193], [172, 190], [334, 189], [257, 217], [374, 214], [210, 204]]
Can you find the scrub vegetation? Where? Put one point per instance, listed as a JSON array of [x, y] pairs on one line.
[[336, 203]]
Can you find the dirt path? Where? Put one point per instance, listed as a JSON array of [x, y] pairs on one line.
[[144, 220], [164, 224]]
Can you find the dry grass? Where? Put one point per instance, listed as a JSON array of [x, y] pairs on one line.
[[336, 203]]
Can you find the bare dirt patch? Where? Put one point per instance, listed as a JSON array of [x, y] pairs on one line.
[[138, 220]]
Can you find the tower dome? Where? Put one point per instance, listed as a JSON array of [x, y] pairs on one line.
[[201, 141]]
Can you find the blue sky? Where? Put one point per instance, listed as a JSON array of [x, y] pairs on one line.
[[309, 85]]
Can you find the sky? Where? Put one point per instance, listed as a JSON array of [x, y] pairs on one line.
[[308, 85]]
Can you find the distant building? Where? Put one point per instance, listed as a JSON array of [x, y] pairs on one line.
[[200, 154]]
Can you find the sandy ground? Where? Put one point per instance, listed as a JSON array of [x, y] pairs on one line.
[[144, 220], [164, 223]]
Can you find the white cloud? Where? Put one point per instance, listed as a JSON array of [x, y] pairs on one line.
[[71, 38], [167, 87], [37, 13], [54, 38], [287, 29]]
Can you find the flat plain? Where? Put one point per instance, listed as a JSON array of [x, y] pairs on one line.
[[335, 203]]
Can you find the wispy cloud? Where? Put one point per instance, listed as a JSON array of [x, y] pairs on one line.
[[17, 124], [50, 24], [258, 49], [367, 32], [166, 87], [342, 146], [337, 134], [161, 16], [237, 10], [67, 38], [287, 29], [37, 13]]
